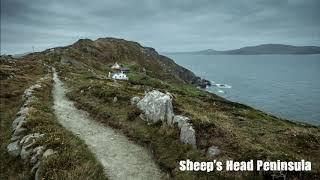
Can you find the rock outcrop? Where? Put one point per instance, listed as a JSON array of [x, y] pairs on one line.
[[156, 106]]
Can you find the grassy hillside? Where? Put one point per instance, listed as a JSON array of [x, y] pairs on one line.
[[240, 132]]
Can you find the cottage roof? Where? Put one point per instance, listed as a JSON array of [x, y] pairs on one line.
[[115, 66], [125, 69]]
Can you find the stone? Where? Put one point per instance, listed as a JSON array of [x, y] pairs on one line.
[[37, 153], [20, 131], [180, 120], [25, 153], [188, 135], [23, 111], [48, 153], [14, 149], [16, 122], [26, 143], [134, 100], [14, 138], [37, 86], [29, 100], [213, 151], [37, 175], [157, 106], [20, 124], [115, 99], [35, 167], [28, 92], [30, 138]]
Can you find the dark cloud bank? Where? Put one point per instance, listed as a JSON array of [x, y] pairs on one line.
[[167, 25]]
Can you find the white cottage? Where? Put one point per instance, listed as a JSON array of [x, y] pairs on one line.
[[120, 76]]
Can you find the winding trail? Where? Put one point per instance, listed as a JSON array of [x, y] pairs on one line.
[[121, 158]]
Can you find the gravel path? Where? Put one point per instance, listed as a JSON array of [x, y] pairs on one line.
[[121, 158]]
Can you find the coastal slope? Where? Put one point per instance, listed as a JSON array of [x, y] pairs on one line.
[[234, 130]]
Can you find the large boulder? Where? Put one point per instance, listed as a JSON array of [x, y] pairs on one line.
[[188, 135], [156, 106]]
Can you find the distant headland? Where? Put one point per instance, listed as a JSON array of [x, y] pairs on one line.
[[260, 49]]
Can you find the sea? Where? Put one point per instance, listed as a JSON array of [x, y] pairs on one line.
[[287, 86]]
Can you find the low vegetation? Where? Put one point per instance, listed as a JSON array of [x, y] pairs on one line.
[[15, 78], [73, 160], [241, 132]]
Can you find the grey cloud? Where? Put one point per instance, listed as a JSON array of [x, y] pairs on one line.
[[167, 25]]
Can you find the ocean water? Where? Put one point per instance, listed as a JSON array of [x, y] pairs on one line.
[[287, 86]]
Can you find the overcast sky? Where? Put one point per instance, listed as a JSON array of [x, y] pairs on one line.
[[166, 25]]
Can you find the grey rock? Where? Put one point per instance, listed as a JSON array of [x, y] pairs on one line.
[[156, 106], [23, 111], [20, 131], [14, 149], [16, 122], [15, 138], [213, 151], [28, 92], [19, 126], [29, 100], [37, 175], [188, 135], [34, 159], [37, 86], [25, 153], [134, 100], [115, 99], [30, 139], [180, 120], [37, 153], [48, 153], [35, 167]]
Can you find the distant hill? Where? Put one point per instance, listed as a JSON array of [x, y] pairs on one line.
[[260, 49]]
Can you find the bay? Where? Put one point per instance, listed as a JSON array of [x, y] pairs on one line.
[[287, 86]]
